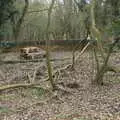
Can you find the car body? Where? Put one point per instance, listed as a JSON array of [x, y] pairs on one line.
[[32, 53]]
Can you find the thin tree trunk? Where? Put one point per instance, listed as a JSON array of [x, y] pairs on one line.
[[97, 35], [95, 31], [17, 26], [49, 67]]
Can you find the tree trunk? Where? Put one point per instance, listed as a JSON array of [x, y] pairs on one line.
[[49, 67], [17, 26]]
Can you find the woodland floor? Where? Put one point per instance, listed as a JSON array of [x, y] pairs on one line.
[[77, 100]]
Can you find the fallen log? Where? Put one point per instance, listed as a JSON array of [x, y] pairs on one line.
[[21, 85], [6, 87], [26, 61]]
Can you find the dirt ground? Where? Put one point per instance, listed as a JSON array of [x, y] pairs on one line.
[[76, 100]]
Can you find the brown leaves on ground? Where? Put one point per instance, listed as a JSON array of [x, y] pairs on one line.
[[85, 102]]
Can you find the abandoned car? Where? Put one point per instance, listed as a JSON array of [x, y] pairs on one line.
[[32, 53]]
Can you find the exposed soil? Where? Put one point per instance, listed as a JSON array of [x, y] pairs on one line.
[[76, 100]]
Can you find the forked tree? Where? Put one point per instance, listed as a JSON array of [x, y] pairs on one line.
[[97, 35]]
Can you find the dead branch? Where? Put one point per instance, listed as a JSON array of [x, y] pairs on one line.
[[13, 86], [70, 65], [26, 61], [22, 85], [83, 50]]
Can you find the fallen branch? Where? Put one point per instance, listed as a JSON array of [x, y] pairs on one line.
[[70, 65], [83, 50], [22, 85], [26, 61], [6, 87]]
